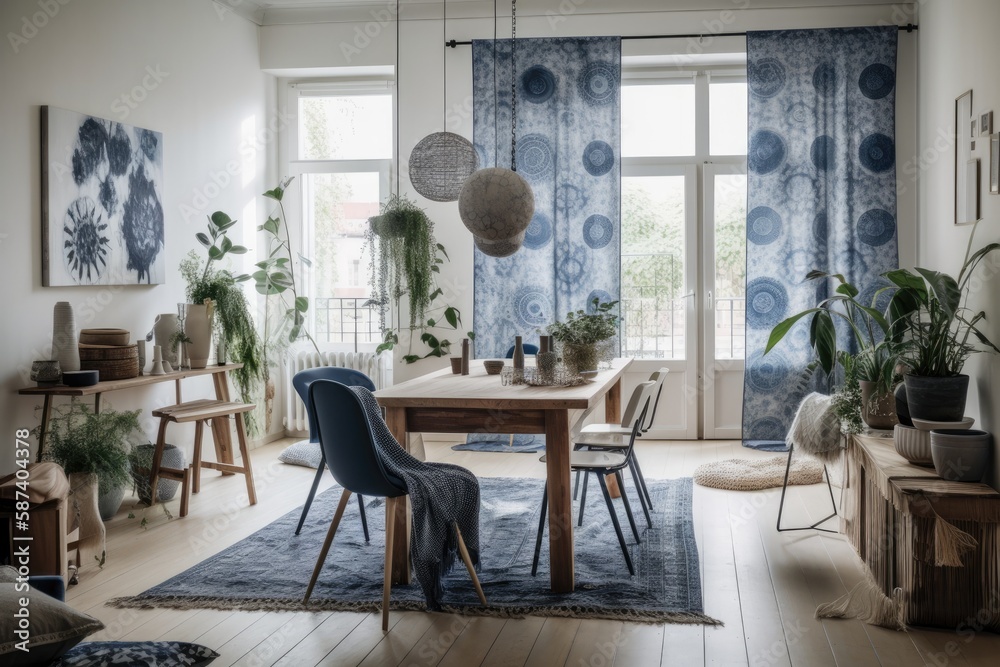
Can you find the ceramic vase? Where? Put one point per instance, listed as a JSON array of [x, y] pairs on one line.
[[198, 327], [220, 350], [157, 368], [140, 345], [163, 330], [878, 413], [466, 352], [65, 342], [45, 372], [518, 353]]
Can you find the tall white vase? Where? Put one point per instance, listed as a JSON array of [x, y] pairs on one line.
[[165, 327], [198, 327], [65, 342]]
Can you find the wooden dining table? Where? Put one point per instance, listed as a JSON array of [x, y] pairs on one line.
[[443, 402]]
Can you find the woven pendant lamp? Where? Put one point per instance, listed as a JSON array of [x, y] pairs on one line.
[[440, 162], [497, 204], [439, 165]]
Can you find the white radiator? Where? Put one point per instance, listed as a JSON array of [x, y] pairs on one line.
[[377, 367]]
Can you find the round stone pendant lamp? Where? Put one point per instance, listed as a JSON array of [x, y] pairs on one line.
[[496, 204]]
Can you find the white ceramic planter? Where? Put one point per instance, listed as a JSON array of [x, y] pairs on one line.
[[913, 445], [198, 327], [961, 455]]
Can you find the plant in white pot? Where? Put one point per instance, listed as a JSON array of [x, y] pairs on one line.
[[82, 441], [939, 333]]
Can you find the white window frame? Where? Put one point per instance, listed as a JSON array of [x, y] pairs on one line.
[[296, 167]]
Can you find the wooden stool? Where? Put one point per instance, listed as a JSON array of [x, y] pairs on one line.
[[200, 412]]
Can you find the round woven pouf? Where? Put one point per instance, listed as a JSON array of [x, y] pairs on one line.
[[440, 163], [502, 248], [496, 204]]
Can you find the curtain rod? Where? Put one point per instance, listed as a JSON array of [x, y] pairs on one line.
[[909, 27]]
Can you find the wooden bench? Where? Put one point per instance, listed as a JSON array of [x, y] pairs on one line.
[[200, 412]]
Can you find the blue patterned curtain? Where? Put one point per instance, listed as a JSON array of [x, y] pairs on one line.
[[821, 191], [568, 136]]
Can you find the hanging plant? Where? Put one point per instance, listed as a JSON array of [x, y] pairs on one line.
[[404, 258]]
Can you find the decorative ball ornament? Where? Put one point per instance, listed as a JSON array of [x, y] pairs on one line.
[[440, 163], [496, 204], [501, 248]]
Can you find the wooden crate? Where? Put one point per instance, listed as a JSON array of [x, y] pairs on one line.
[[890, 516], [46, 527]]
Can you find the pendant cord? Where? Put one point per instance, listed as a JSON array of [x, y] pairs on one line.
[[444, 68], [513, 86], [396, 110], [496, 102]]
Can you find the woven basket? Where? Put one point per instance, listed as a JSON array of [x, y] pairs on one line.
[[104, 337], [114, 362]]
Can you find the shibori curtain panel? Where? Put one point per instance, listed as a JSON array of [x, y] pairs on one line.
[[821, 189], [568, 137]]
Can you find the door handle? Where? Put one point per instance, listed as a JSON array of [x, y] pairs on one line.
[[710, 307]]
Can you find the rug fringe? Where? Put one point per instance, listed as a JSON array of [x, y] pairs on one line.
[[270, 604], [867, 603]]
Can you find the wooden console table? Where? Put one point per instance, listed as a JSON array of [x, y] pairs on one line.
[[220, 426], [891, 509]]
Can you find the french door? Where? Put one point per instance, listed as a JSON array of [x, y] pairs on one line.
[[683, 281]]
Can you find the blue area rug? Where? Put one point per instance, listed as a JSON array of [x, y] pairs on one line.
[[270, 569], [522, 444], [766, 445]]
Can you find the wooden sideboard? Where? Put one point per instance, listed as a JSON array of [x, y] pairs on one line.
[[890, 512]]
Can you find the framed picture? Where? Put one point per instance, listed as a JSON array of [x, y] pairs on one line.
[[972, 175], [995, 164], [102, 201], [963, 153], [986, 124]]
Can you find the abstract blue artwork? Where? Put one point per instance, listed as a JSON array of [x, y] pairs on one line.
[[821, 187], [568, 149]]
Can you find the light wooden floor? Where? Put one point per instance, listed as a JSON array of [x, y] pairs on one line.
[[763, 585]]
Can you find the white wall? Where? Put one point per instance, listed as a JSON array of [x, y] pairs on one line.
[[369, 40], [958, 52], [211, 97]]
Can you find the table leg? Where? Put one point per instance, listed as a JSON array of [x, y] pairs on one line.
[[613, 415], [44, 430], [221, 434], [395, 419], [557, 450]]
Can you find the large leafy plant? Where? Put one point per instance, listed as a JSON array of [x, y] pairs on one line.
[[587, 328], [874, 359], [931, 308], [405, 258], [276, 277], [207, 283]]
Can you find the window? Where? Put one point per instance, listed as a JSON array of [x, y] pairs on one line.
[[658, 119], [342, 146]]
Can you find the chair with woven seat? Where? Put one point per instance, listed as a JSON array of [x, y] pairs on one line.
[[615, 437], [604, 463], [301, 382], [349, 449]]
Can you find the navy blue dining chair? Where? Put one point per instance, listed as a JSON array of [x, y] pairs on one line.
[[301, 382], [528, 348], [351, 454]]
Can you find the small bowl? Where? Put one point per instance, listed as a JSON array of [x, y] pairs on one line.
[[456, 365], [493, 366], [81, 378], [929, 425]]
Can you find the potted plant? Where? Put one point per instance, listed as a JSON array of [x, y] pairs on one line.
[[938, 333], [404, 261], [82, 441], [582, 332], [209, 286], [873, 365]]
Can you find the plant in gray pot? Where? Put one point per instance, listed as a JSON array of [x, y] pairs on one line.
[[82, 441], [961, 455], [938, 334], [871, 358]]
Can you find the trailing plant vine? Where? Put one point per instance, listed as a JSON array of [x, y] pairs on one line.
[[404, 257]]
